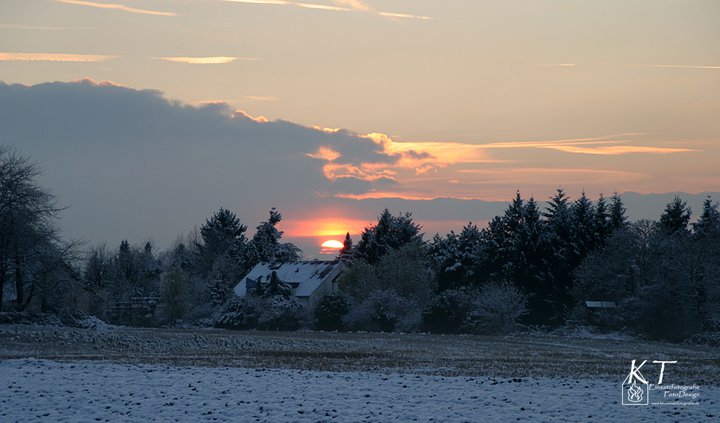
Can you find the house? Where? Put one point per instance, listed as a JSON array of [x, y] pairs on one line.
[[309, 280]]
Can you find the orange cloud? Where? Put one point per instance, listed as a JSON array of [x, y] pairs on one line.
[[558, 65], [404, 16], [618, 149], [353, 4], [342, 6], [322, 7], [378, 195], [674, 66], [244, 114], [271, 2], [260, 98], [430, 170], [53, 57], [214, 60], [370, 172], [112, 6], [324, 153]]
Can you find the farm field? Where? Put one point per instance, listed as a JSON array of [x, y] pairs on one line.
[[124, 374]]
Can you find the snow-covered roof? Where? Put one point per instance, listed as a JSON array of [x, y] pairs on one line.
[[304, 276], [600, 304]]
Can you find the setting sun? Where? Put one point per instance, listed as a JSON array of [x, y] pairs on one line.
[[332, 244]]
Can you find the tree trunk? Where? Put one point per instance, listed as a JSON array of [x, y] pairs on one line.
[[19, 291], [2, 285]]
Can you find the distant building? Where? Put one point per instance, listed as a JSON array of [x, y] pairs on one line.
[[309, 280]]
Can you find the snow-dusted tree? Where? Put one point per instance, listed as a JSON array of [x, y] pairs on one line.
[[617, 270], [384, 310], [266, 245], [98, 268], [603, 224], [27, 220], [561, 257], [529, 263], [149, 271], [222, 253], [457, 258], [584, 227], [330, 311], [221, 235], [97, 277], [346, 252], [496, 309], [708, 223], [399, 278], [618, 218], [675, 218], [448, 311], [390, 233], [648, 271], [270, 306], [126, 273], [175, 293], [503, 240]]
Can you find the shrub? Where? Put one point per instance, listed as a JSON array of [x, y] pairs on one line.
[[385, 311], [448, 311], [240, 313], [496, 309], [330, 311], [271, 313], [281, 313]]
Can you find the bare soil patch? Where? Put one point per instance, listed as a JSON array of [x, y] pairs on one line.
[[521, 355]]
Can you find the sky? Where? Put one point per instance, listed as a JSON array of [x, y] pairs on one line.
[[148, 115]]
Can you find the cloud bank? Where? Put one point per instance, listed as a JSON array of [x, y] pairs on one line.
[[131, 163]]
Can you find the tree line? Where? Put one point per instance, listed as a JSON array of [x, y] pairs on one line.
[[531, 265]]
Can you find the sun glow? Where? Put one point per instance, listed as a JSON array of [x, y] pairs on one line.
[[332, 244], [324, 228]]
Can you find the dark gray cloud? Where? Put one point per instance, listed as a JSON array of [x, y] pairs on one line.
[[132, 163]]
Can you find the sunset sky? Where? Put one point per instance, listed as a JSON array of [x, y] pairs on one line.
[[330, 110]]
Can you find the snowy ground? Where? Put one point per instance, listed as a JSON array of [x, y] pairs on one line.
[[41, 390], [521, 355], [108, 373]]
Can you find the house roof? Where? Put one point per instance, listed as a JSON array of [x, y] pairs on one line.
[[306, 276], [600, 304]]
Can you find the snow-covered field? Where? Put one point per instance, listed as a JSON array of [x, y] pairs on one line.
[[41, 390], [107, 373]]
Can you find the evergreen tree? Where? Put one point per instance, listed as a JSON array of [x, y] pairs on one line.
[[221, 235], [618, 219], [222, 254], [603, 224], [266, 244], [528, 268], [561, 254], [390, 233], [98, 269], [346, 251], [708, 223], [457, 258], [505, 238], [127, 274], [675, 218], [149, 271], [175, 293], [584, 221]]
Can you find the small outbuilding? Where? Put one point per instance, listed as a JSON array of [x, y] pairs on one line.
[[310, 280]]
